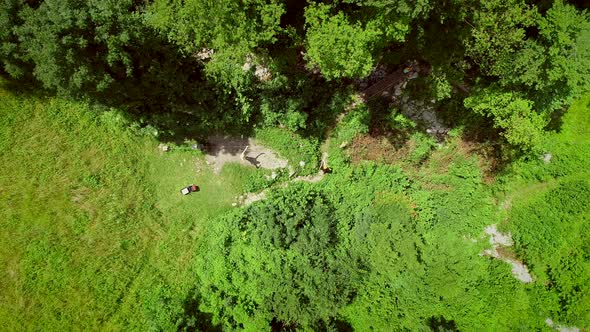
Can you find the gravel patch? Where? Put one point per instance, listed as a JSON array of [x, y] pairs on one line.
[[497, 240]]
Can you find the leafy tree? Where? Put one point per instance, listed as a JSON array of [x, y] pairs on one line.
[[392, 17], [544, 56], [101, 50], [80, 46], [498, 29], [337, 47], [512, 113], [344, 40], [278, 259], [565, 35], [230, 32]]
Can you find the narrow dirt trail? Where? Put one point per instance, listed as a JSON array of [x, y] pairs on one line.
[[249, 198]]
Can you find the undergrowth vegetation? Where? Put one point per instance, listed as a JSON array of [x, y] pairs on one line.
[[550, 218]]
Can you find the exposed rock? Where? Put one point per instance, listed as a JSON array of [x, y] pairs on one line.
[[520, 271], [204, 54], [560, 328], [263, 73], [227, 149], [497, 239], [567, 329], [549, 322], [547, 158], [164, 147]]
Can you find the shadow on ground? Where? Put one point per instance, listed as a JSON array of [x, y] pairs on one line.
[[195, 320]]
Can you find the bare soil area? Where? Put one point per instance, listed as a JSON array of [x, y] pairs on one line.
[[228, 149]]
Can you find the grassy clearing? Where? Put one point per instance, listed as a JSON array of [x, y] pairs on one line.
[[95, 233]]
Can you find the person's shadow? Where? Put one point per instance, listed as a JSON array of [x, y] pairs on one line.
[[254, 161]]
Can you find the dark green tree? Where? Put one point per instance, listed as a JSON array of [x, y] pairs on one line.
[[78, 46], [10, 55], [279, 259]]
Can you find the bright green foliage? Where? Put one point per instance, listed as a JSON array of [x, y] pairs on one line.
[[293, 147], [392, 17], [233, 30], [441, 87], [344, 43], [549, 219], [336, 46], [569, 148], [553, 236], [95, 234], [511, 113], [354, 123], [423, 144], [384, 237]]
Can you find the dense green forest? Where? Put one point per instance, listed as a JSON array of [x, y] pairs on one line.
[[414, 165]]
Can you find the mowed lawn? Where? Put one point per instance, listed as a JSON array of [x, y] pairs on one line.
[[94, 232]]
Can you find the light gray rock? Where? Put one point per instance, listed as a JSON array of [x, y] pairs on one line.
[[547, 158]]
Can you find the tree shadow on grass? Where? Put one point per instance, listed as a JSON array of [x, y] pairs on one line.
[[440, 324], [195, 320], [26, 87]]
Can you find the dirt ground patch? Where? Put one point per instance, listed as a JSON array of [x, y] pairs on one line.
[[227, 149], [375, 148]]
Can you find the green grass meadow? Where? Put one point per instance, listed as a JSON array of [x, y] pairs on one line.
[[93, 224]]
